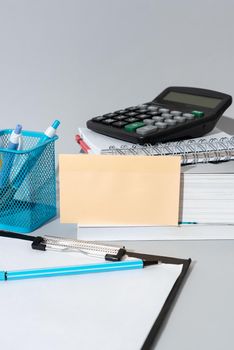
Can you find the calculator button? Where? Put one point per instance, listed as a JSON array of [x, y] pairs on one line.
[[176, 113], [108, 121], [166, 115], [198, 114], [180, 119], [98, 119], [142, 116], [131, 114], [119, 124], [188, 116], [146, 129], [153, 113], [152, 108], [158, 119], [170, 122], [141, 110], [149, 121], [161, 125], [133, 126], [120, 111], [120, 117], [110, 115], [131, 120], [163, 110]]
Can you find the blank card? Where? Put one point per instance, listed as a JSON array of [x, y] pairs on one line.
[[119, 190]]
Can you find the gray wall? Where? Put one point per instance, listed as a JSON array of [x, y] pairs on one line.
[[73, 60]]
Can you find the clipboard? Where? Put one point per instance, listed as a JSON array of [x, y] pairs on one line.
[[154, 331], [119, 280]]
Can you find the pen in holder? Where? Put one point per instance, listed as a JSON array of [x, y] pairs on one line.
[[28, 194]]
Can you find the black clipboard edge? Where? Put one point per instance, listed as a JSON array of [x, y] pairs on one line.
[[153, 333]]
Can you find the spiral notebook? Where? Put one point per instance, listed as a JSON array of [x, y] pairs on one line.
[[215, 147]]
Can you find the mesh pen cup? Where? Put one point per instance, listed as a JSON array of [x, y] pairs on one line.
[[27, 182]]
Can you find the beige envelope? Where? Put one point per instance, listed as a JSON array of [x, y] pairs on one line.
[[119, 190]]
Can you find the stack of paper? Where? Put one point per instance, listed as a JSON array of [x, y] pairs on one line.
[[207, 193]]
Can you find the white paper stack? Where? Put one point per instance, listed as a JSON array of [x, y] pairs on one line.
[[207, 193]]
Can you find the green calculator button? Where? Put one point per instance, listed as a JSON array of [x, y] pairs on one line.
[[133, 126], [198, 114]]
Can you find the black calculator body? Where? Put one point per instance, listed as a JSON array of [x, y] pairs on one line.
[[177, 113]]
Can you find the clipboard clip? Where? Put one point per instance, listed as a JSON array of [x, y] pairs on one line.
[[103, 251], [109, 253]]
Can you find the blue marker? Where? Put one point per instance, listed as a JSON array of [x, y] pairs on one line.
[[28, 165], [8, 158], [50, 132], [71, 270]]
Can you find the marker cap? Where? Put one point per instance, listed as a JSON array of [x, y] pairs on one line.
[[56, 124], [18, 129]]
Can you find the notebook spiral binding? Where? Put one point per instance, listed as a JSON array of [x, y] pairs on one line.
[[191, 151]]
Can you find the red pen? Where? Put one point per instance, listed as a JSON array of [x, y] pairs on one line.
[[82, 144]]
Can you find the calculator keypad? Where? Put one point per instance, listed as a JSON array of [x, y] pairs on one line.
[[147, 118]]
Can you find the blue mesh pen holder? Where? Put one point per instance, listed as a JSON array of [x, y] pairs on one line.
[[28, 193]]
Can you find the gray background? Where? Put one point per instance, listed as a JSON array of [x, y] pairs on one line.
[[72, 60]]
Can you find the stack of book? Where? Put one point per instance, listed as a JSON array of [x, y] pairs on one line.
[[207, 194], [207, 176]]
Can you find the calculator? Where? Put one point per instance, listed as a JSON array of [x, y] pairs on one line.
[[176, 113]]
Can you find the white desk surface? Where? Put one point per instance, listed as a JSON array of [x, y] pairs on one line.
[[202, 316]]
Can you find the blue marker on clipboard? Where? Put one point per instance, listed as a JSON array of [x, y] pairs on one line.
[[71, 270], [8, 159]]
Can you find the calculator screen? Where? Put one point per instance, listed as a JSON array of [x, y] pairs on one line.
[[203, 101]]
